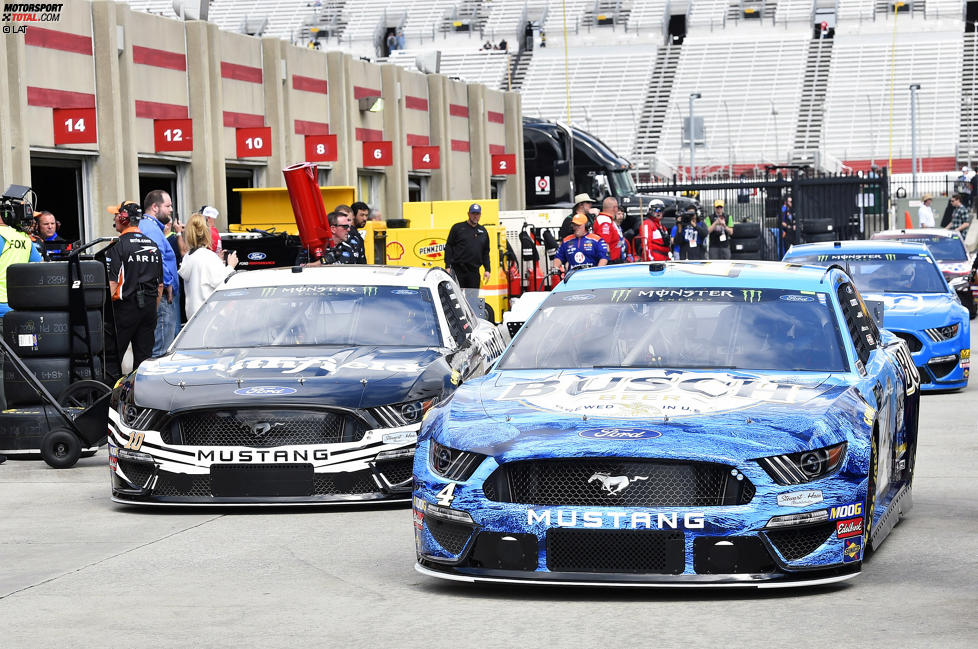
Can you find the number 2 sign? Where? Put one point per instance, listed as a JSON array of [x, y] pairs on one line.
[[173, 134], [254, 142], [378, 154], [503, 164], [75, 126]]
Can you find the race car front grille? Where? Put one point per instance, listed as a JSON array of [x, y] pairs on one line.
[[138, 473], [912, 341], [397, 471], [351, 482], [263, 428], [795, 543], [181, 484], [925, 376], [614, 482], [943, 368], [450, 535], [635, 551]]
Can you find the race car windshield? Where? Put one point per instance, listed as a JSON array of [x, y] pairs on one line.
[[943, 248], [708, 328], [885, 273], [284, 316]]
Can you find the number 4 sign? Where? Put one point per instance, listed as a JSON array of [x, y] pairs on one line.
[[504, 164], [75, 126], [254, 142], [378, 154], [425, 157], [173, 134]]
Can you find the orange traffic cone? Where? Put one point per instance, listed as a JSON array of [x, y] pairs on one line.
[[907, 223]]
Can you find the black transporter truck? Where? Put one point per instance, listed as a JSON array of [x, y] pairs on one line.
[[562, 161]]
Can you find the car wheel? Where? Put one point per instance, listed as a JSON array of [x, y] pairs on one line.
[[870, 496], [61, 448], [82, 394]]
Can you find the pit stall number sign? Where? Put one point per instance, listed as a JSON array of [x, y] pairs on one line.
[[75, 126], [321, 148], [254, 142], [378, 154], [504, 164], [425, 157], [173, 134]]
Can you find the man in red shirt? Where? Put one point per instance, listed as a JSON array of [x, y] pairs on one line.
[[654, 236], [211, 214], [604, 227]]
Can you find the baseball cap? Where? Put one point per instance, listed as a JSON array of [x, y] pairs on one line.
[[579, 219], [475, 208], [583, 198], [122, 207], [209, 212], [718, 203]]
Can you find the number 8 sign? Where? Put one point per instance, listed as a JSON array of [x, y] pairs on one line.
[[378, 154], [254, 142]]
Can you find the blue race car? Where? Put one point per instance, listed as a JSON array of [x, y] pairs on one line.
[[920, 307], [686, 424]]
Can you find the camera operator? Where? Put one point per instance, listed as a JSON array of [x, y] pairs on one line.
[[692, 235]]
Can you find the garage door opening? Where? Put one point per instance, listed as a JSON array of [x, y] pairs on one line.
[[237, 178], [58, 185], [162, 177]]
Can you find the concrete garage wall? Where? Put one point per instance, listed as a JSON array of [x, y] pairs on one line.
[[135, 67]]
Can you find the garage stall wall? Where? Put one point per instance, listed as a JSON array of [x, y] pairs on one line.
[[134, 100]]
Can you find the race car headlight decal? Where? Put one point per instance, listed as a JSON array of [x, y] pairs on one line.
[[453, 464], [134, 456], [395, 454], [951, 358], [940, 334], [796, 468], [447, 513], [403, 414], [136, 417], [798, 519]]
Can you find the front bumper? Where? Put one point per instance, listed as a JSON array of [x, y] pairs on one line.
[[668, 546], [944, 365], [146, 471]]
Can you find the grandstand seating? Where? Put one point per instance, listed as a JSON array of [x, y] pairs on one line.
[[505, 19], [424, 20], [481, 66], [708, 14], [574, 11], [791, 11], [648, 17]]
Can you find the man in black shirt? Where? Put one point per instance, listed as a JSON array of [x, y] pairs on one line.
[[466, 248], [136, 283], [359, 219]]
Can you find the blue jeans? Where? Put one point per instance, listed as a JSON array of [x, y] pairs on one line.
[[167, 317]]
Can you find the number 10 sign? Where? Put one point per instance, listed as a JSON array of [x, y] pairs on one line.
[[173, 134], [254, 142]]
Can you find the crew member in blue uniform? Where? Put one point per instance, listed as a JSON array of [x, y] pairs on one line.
[[581, 250]]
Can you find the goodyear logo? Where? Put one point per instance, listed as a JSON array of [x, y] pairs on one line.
[[370, 290], [752, 296], [620, 295], [430, 249]]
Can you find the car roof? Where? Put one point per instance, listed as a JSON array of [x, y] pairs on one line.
[[714, 274], [916, 232], [860, 247], [340, 274]]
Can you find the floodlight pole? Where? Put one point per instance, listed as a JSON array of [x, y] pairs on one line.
[[692, 136], [914, 87]]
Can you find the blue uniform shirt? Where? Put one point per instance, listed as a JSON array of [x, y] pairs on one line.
[[581, 252], [153, 229]]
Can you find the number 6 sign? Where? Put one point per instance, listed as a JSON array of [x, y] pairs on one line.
[[173, 134], [378, 154], [254, 142], [504, 164]]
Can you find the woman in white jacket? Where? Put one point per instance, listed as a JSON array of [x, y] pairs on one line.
[[202, 270]]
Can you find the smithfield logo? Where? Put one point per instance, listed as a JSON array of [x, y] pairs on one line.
[[752, 296], [256, 256], [265, 390], [614, 484], [619, 433], [620, 295]]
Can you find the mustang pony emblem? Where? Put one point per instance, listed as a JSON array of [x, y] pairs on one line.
[[614, 484]]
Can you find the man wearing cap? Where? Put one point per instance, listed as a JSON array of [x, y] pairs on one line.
[[605, 227], [136, 283], [720, 231], [210, 214], [156, 203], [925, 215], [580, 249], [582, 205], [467, 248], [653, 235]]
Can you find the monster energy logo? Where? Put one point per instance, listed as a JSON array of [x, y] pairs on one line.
[[752, 296], [268, 291], [620, 295], [890, 257], [822, 258], [370, 290]]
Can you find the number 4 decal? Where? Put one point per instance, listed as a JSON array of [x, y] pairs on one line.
[[446, 495]]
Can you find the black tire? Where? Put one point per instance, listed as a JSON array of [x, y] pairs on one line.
[[746, 230], [819, 238], [870, 494], [47, 333], [61, 448], [53, 373], [817, 226], [490, 314], [82, 394], [745, 245], [45, 286]]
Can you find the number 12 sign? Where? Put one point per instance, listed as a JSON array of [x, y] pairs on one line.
[[173, 134], [254, 142], [75, 126]]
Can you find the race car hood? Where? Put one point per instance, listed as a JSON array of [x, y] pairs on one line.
[[353, 377], [954, 268], [915, 311], [660, 413]]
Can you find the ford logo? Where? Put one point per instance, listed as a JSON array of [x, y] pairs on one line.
[[619, 433], [256, 256], [580, 297], [797, 298], [265, 390]]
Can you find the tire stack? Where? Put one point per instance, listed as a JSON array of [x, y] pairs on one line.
[[818, 230], [39, 328], [746, 242]]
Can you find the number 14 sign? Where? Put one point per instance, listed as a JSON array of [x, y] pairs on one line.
[[173, 134], [75, 126]]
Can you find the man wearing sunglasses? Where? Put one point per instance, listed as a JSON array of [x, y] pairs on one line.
[[342, 252]]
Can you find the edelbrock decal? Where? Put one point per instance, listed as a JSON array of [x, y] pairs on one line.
[[800, 498], [619, 433], [265, 390]]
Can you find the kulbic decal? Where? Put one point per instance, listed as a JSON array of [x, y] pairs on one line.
[[848, 528]]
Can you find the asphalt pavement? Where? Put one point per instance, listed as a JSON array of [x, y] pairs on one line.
[[77, 570]]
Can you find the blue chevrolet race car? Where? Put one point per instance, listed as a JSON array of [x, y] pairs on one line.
[[684, 424], [920, 307]]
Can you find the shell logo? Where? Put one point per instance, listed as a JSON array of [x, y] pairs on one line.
[[394, 251], [430, 249]]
